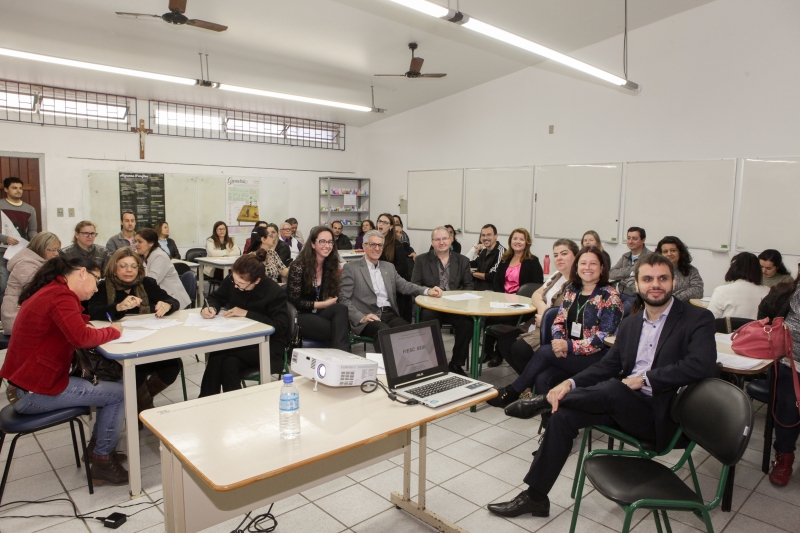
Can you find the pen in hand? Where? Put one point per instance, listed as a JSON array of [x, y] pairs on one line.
[[108, 315]]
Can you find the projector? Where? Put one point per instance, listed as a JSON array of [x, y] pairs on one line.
[[334, 368]]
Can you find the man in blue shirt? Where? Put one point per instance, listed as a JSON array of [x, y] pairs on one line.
[[658, 350]]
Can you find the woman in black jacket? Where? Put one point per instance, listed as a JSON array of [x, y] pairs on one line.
[[518, 265], [247, 292], [167, 244], [393, 250], [126, 291]]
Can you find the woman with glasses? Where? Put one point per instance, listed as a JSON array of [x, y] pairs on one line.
[[127, 291], [159, 266], [21, 269], [50, 326], [220, 244], [83, 245], [247, 292], [393, 250], [313, 288]]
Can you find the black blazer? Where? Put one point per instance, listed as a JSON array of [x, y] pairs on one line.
[[265, 303], [97, 307], [426, 272], [529, 272], [283, 251], [400, 261], [686, 353], [174, 253]]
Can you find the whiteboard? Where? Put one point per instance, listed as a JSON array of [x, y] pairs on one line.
[[499, 196], [692, 200], [101, 194], [434, 198], [768, 213], [573, 199]]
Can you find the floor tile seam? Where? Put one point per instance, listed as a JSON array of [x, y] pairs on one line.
[[314, 503]]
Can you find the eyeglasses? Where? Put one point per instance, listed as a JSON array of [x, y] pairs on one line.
[[377, 245], [97, 279], [53, 250], [441, 239], [322, 242], [243, 288], [88, 233], [384, 222], [122, 266]]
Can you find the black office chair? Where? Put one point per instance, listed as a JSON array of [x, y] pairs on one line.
[[729, 324], [254, 374], [193, 253], [714, 414], [189, 282], [181, 268]]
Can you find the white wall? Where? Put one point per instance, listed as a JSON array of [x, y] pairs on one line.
[[719, 81], [69, 151]]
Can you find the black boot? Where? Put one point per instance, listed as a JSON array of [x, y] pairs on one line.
[[155, 386], [495, 361], [456, 369], [504, 397]]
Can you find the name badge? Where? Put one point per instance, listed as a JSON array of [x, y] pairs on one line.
[[577, 329]]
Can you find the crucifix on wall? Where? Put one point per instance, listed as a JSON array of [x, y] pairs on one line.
[[142, 131]]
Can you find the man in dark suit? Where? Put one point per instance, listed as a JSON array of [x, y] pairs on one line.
[[369, 290], [658, 350], [449, 270]]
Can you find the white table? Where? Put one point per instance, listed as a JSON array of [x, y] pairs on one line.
[[171, 343], [222, 456], [349, 256], [224, 263]]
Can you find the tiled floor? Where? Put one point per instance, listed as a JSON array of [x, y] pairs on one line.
[[473, 459]]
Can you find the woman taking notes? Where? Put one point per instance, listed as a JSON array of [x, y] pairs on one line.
[[21, 268], [247, 292], [772, 268], [168, 245], [590, 312], [159, 266], [314, 282], [742, 293], [591, 238], [688, 283], [220, 244], [50, 326]]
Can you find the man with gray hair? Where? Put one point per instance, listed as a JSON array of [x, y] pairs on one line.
[[369, 290]]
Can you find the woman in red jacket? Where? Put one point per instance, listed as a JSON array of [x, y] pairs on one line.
[[49, 326]]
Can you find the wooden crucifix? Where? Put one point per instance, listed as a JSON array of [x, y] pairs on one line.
[[142, 131]]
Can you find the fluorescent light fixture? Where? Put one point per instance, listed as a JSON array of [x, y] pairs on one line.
[[595, 166], [248, 127], [95, 66], [770, 161], [71, 108], [17, 102], [187, 120], [270, 94], [312, 134], [476, 25]]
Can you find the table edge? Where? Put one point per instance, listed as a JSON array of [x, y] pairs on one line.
[[175, 348]]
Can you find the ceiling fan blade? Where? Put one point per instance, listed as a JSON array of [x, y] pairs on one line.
[[137, 15], [206, 25], [432, 75], [416, 64], [391, 75], [177, 5]]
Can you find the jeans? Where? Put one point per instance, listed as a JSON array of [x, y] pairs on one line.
[[786, 412], [107, 395]]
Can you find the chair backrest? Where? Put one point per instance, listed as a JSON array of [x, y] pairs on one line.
[[528, 289], [189, 282], [193, 253], [181, 268], [729, 324], [717, 416], [292, 310], [548, 318]]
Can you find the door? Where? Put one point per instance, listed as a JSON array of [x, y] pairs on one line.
[[26, 169]]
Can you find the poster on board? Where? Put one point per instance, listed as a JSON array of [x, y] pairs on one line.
[[242, 204], [144, 195]]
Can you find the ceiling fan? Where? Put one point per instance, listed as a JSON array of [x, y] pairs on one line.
[[176, 16], [415, 68]]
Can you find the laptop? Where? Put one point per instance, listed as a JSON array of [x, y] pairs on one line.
[[416, 366]]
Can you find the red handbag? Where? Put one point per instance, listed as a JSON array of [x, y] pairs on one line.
[[761, 340]]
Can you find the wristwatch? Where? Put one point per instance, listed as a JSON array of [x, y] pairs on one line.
[[645, 380]]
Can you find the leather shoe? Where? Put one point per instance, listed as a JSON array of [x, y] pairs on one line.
[[520, 505], [495, 361], [528, 407], [505, 396], [456, 369]]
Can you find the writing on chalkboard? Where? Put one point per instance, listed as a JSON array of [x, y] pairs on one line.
[[144, 195]]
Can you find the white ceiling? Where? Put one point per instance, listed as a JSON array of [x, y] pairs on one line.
[[326, 49]]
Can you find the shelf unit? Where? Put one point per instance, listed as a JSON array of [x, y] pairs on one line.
[[332, 193]]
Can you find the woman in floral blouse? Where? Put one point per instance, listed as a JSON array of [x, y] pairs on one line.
[[590, 312]]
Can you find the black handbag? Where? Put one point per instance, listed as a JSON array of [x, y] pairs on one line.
[[92, 366]]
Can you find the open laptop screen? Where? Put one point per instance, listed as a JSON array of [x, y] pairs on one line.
[[412, 352]]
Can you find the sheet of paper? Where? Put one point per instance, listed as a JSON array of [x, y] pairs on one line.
[[737, 361], [14, 249], [8, 228], [706, 299], [724, 338], [508, 305], [152, 323], [132, 335], [197, 320], [378, 358], [229, 326], [350, 199], [463, 296]]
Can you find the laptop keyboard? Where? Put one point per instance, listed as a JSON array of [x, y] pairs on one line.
[[446, 384]]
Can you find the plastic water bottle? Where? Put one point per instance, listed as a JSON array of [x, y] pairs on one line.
[[547, 264], [290, 408]]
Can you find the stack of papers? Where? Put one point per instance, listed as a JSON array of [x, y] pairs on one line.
[[132, 335], [738, 362], [151, 323], [463, 296], [724, 338], [228, 326], [197, 320]]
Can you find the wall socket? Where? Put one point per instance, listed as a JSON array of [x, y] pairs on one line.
[[60, 212], [71, 212]]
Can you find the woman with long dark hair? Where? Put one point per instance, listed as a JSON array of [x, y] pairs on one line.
[[263, 246], [393, 250], [50, 326], [688, 283], [126, 290], [159, 266], [518, 265], [168, 245], [220, 244], [314, 282], [247, 292], [773, 270], [742, 293], [247, 243], [366, 225]]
